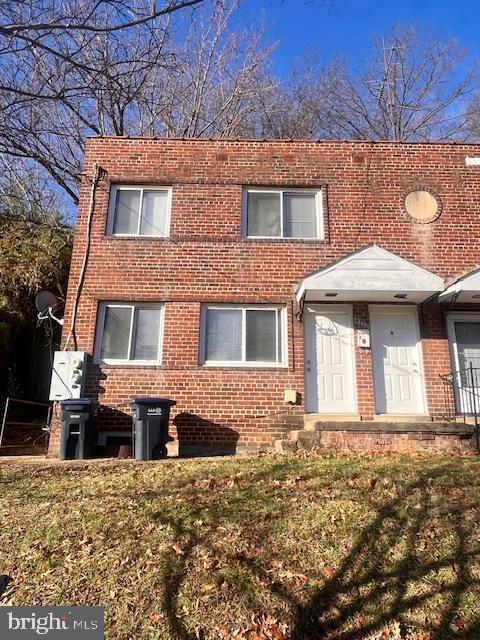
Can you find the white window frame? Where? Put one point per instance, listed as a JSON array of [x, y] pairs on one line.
[[132, 306], [318, 209], [129, 187], [257, 364]]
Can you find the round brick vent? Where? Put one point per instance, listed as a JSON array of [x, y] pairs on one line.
[[422, 206]]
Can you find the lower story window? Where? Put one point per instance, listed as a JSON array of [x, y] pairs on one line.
[[235, 335], [129, 333]]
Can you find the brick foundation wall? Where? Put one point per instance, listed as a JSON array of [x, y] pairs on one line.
[[206, 260], [345, 441]]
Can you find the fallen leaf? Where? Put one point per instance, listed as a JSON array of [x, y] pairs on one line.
[[328, 572]]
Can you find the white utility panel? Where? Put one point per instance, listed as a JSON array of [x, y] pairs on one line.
[[68, 375]]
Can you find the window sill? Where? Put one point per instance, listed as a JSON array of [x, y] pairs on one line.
[[244, 366], [283, 240], [129, 365], [109, 236]]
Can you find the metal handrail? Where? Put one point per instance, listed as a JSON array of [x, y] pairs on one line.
[[462, 396]]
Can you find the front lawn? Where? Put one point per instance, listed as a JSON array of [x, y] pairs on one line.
[[261, 547]]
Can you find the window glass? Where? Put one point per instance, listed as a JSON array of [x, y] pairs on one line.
[[130, 333], [261, 335], [299, 215], [223, 335], [145, 334], [116, 333], [243, 335], [263, 217], [154, 213], [282, 214], [127, 208]]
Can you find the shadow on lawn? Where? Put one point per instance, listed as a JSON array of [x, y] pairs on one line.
[[343, 607], [365, 576]]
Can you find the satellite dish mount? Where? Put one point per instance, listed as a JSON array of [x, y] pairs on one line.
[[46, 303]]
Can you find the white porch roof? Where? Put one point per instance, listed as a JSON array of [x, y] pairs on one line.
[[371, 274], [465, 289]]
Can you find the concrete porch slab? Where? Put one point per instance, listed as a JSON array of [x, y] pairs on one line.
[[396, 427], [390, 417]]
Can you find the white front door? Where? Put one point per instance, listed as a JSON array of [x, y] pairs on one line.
[[329, 359], [397, 366]]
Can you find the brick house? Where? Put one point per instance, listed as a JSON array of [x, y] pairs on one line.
[[275, 288]]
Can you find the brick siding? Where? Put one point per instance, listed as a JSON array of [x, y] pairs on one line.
[[207, 260]]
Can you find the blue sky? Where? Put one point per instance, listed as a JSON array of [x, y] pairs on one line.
[[346, 27]]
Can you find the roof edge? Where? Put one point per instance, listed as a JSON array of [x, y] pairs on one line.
[[396, 143]]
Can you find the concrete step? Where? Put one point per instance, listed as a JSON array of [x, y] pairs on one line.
[[310, 419], [391, 417]]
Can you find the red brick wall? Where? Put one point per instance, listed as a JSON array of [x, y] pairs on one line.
[[206, 260], [352, 441]]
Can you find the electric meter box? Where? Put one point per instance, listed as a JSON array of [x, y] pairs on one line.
[[68, 375]]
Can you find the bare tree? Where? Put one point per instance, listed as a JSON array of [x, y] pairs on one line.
[[412, 87], [218, 78], [71, 69], [35, 19], [159, 77], [300, 107]]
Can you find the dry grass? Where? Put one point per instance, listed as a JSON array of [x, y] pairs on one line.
[[256, 547]]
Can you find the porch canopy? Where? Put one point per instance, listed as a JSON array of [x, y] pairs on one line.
[[371, 274], [465, 289]]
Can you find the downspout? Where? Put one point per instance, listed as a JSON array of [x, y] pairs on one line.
[[94, 182]]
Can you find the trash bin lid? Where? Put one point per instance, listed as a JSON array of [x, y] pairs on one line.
[[154, 401], [84, 402]]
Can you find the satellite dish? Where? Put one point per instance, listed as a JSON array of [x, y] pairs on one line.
[[46, 302]]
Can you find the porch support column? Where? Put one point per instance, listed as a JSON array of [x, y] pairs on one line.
[[436, 356], [363, 365]]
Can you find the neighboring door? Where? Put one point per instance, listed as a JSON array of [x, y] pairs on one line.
[[329, 359], [397, 366], [464, 336]]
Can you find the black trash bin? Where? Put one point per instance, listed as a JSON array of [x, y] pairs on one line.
[[77, 433], [150, 427]]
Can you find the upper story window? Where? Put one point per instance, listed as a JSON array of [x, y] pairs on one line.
[[139, 211], [129, 333], [283, 213], [234, 335]]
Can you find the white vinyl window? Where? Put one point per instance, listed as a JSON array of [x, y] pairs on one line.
[[243, 336], [129, 333], [139, 211], [279, 213]]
